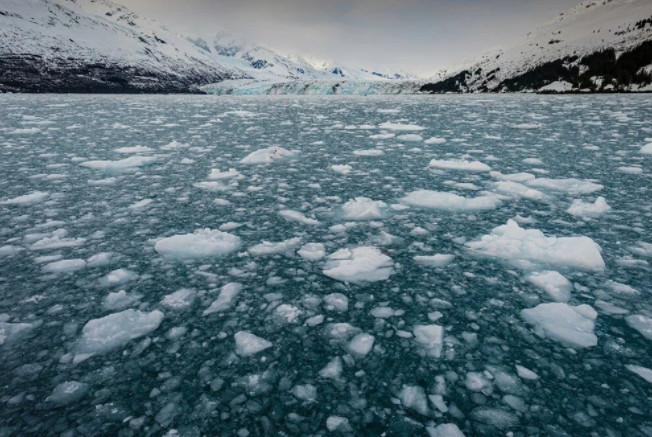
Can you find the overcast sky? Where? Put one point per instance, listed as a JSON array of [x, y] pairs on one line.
[[418, 36]]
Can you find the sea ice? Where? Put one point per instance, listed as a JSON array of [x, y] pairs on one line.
[[359, 265], [65, 266], [368, 152], [641, 371], [12, 332], [409, 137], [112, 331], [446, 201], [180, 299], [647, 149], [430, 338], [120, 300], [572, 326], [569, 185], [436, 260], [336, 302], [512, 188], [68, 392], [312, 251], [134, 149], [459, 164], [27, 199], [342, 169], [224, 300], [526, 247], [203, 243], [268, 155], [333, 369], [642, 324], [363, 208], [217, 175], [587, 209], [414, 398], [553, 283], [247, 344], [272, 248], [123, 164], [338, 424], [360, 345], [296, 216], [400, 127], [435, 140], [445, 430]]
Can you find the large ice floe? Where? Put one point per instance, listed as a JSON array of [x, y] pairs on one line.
[[247, 344], [130, 163], [268, 155], [363, 208], [572, 326], [359, 265], [528, 248], [451, 202], [556, 286], [458, 164], [115, 330], [580, 208], [27, 199], [203, 243]]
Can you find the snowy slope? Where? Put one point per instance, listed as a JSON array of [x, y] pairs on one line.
[[580, 49]]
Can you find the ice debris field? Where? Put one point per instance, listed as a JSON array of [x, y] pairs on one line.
[[436, 266]]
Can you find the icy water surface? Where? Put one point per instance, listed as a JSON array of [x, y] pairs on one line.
[[310, 266]]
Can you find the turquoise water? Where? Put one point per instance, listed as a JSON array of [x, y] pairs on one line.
[[183, 372]]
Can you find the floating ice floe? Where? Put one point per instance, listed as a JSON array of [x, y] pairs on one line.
[[572, 326], [312, 251], [217, 175], [333, 369], [119, 277], [527, 126], [359, 265], [341, 169], [568, 185], [553, 283], [180, 299], [272, 248], [414, 398], [130, 163], [174, 145], [65, 266], [268, 155], [587, 209], [115, 330], [67, 392], [296, 216], [120, 300], [247, 344], [12, 332], [27, 199], [141, 204], [641, 371], [212, 186], [400, 127], [529, 247], [430, 338], [225, 299], [647, 149], [383, 136], [57, 241], [203, 243], [642, 324], [338, 424], [445, 430], [512, 188], [134, 149], [436, 260], [435, 140], [409, 137], [495, 417], [363, 208], [452, 202], [458, 164], [368, 152], [336, 302]]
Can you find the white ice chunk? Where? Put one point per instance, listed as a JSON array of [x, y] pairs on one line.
[[363, 208], [65, 266], [11, 332], [435, 140], [570, 325], [267, 156], [409, 137], [312, 251], [642, 324], [647, 149], [112, 331], [458, 164], [27, 199], [445, 430], [588, 209], [224, 300], [342, 169], [217, 175], [333, 369], [569, 185], [203, 243], [414, 398], [525, 373], [120, 300], [358, 265], [212, 186], [338, 424], [446, 201], [247, 344], [68, 392], [553, 283], [512, 188], [140, 204], [180, 299], [119, 277], [641, 371], [286, 313], [360, 345], [525, 247], [368, 152], [296, 216], [336, 302], [123, 164], [272, 248], [436, 260], [430, 338], [400, 127], [306, 392], [134, 149]]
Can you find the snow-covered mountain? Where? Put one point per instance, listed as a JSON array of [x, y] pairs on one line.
[[100, 46], [599, 45]]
